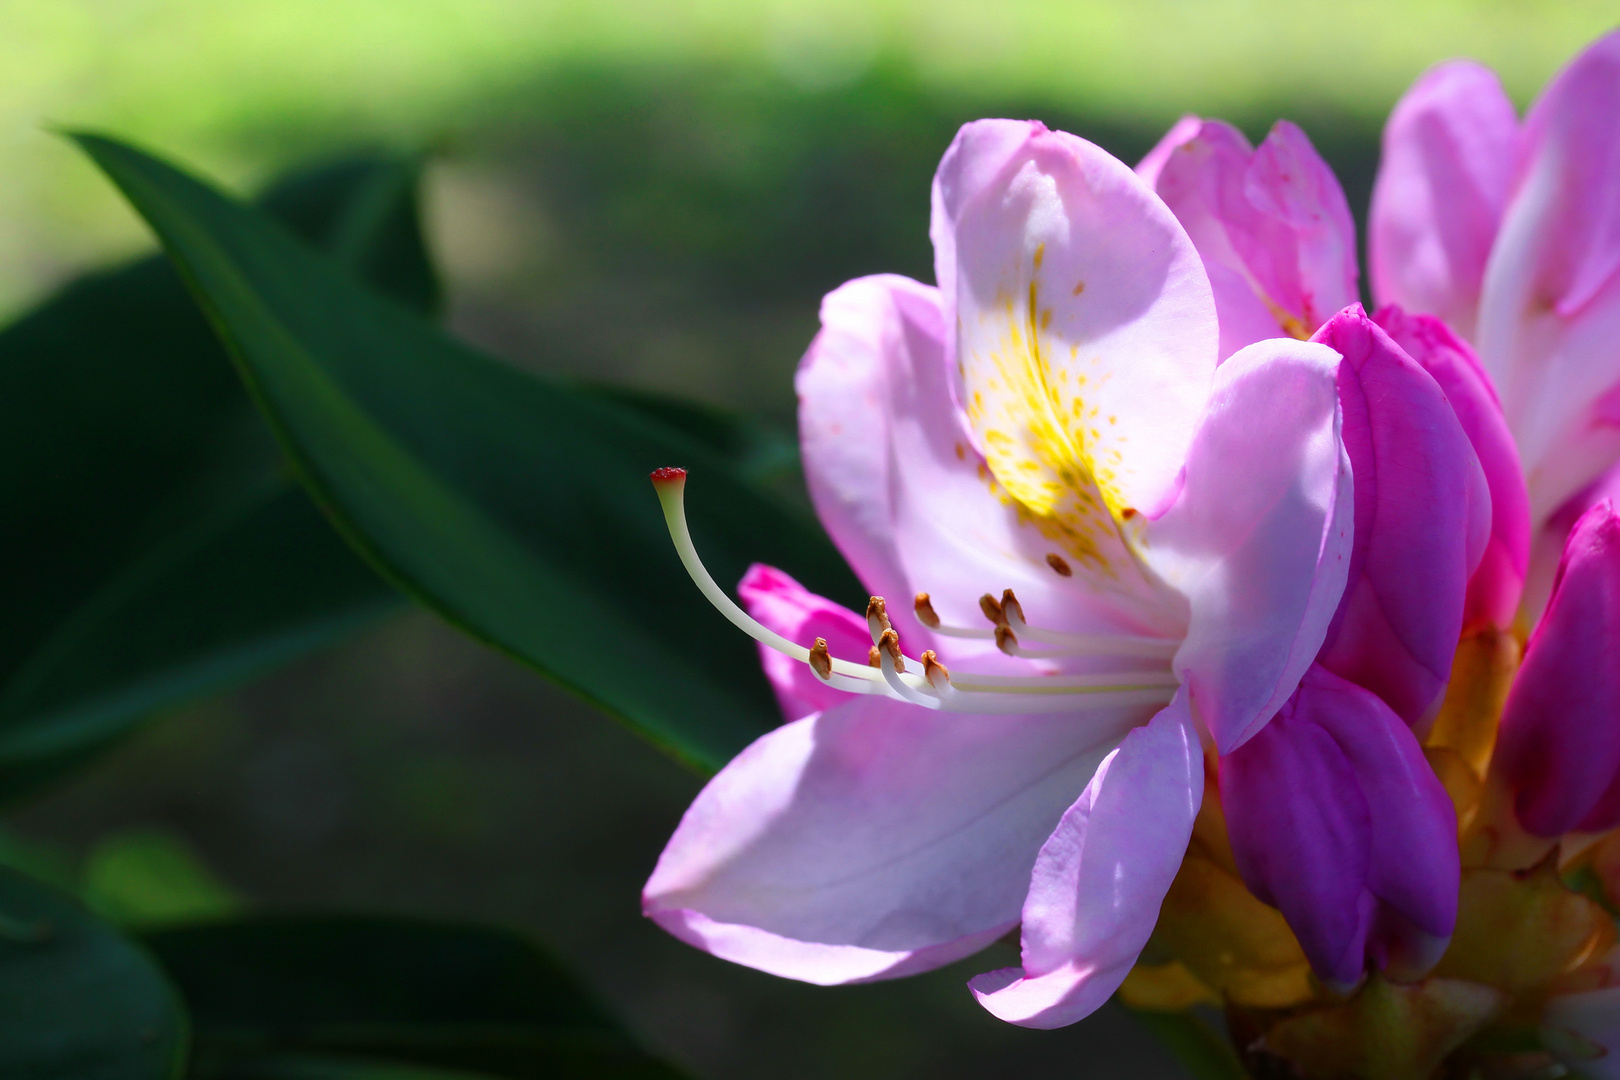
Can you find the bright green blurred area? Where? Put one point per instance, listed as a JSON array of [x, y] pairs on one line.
[[653, 193], [241, 87]]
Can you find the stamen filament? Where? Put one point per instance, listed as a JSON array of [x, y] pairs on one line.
[[671, 487], [935, 688]]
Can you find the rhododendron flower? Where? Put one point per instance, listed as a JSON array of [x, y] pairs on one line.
[[1510, 232], [1160, 545], [1272, 226]]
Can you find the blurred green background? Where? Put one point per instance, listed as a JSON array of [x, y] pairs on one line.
[[657, 193]]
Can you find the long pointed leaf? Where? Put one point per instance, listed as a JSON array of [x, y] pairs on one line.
[[514, 505], [345, 995], [158, 545]]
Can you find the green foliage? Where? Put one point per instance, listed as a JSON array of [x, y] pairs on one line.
[[81, 1002], [1204, 1052], [361, 998], [167, 550], [516, 506], [151, 876]]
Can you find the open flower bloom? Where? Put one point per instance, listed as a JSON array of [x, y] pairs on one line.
[[1272, 226], [1128, 553], [1510, 232]]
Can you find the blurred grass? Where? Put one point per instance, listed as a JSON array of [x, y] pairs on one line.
[[242, 88]]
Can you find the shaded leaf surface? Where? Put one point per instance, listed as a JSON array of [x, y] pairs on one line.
[[1201, 1050], [158, 545], [357, 997], [79, 1001], [515, 505]]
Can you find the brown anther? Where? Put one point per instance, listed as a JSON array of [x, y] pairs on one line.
[[992, 609], [931, 666], [1006, 640], [873, 657], [924, 607], [1011, 608], [877, 616], [820, 660], [890, 643], [1058, 563]]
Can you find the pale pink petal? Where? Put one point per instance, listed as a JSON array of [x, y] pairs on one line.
[[787, 607], [1495, 588], [1550, 303], [1087, 341], [974, 160], [895, 477], [1181, 132], [866, 329], [1260, 539], [874, 839], [1442, 184], [1288, 181], [1560, 738], [1573, 124], [1272, 226], [1097, 885], [1422, 522], [1203, 183]]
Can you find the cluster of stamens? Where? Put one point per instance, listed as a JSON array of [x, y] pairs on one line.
[[889, 671]]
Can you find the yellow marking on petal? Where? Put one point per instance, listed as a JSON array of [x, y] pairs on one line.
[[1042, 443], [1040, 253]]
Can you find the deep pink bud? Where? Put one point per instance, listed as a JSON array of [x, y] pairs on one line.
[[1494, 589], [1338, 821], [1560, 737], [1422, 521]]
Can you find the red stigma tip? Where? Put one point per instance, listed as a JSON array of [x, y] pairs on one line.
[[668, 474]]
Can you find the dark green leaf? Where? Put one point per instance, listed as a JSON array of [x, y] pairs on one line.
[[757, 453], [79, 1001], [1201, 1050], [332, 1067], [516, 506], [160, 546], [343, 996]]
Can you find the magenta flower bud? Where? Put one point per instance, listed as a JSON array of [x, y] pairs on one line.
[[1495, 588], [1422, 521], [1560, 738], [1337, 820]]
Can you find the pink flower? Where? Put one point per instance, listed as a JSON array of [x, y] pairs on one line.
[[1560, 736], [1170, 540], [1511, 233], [1272, 226]]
